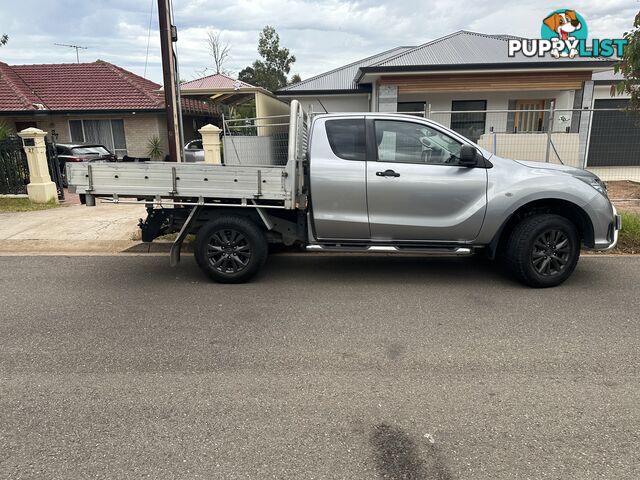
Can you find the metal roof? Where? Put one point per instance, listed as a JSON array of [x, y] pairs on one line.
[[608, 76], [464, 47], [341, 78]]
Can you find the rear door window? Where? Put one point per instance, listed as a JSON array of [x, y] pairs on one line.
[[347, 138]]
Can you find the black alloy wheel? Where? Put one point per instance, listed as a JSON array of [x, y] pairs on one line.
[[551, 252]]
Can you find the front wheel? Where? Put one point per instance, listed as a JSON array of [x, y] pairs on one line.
[[543, 250], [231, 249]]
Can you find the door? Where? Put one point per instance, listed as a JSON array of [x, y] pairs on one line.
[[529, 116], [338, 179], [416, 191]]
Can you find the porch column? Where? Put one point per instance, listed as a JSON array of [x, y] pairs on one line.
[[40, 189], [585, 122], [211, 143], [388, 98]]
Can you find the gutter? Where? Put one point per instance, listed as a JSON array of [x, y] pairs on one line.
[[561, 64], [294, 93]]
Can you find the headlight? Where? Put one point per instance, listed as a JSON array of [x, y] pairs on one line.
[[596, 183]]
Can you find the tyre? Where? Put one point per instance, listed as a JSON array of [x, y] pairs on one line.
[[543, 250], [230, 249]]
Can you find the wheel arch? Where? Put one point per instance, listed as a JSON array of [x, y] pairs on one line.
[[565, 208], [280, 226]]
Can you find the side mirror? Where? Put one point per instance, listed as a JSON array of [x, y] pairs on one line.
[[469, 156]]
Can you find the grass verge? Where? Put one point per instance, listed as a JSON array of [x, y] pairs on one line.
[[24, 205], [629, 239]]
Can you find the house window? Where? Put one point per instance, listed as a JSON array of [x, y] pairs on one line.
[[469, 123], [109, 133], [23, 125], [416, 108]]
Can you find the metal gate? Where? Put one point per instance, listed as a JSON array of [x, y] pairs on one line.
[[615, 135], [54, 168], [14, 170]]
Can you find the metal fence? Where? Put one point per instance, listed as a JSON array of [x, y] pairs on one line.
[[14, 171], [14, 168], [55, 171], [605, 141], [255, 141]]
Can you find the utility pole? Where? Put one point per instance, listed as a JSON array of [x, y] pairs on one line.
[[77, 47], [168, 35]]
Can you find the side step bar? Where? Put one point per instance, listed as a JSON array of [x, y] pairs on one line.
[[455, 251]]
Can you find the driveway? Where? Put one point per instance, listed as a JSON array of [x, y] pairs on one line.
[[324, 367], [74, 228]]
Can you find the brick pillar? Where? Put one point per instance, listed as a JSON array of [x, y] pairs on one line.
[[40, 189], [211, 143]]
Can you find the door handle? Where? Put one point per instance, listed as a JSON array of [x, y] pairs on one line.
[[387, 173]]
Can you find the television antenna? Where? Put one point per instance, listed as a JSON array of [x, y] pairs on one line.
[[77, 47]]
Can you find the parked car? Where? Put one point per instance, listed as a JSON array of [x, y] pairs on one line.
[[193, 151], [77, 152], [370, 182]]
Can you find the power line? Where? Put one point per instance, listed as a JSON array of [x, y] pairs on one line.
[[146, 59], [77, 47]]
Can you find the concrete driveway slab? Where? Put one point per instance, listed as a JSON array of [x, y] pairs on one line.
[[105, 227]]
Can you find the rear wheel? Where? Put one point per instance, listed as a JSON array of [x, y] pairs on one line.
[[230, 249], [543, 250]]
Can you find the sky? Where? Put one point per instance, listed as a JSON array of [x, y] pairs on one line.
[[321, 34]]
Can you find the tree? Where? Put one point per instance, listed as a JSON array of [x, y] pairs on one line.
[[295, 78], [270, 72], [218, 50], [4, 39], [629, 65]]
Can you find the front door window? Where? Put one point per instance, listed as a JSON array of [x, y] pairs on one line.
[[406, 142]]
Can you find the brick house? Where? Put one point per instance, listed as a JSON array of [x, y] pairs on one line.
[[93, 102]]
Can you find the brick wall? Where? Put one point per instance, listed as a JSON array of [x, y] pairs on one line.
[[138, 127]]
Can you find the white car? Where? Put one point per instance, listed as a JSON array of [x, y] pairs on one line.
[[193, 151]]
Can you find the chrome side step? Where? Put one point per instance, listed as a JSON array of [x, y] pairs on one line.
[[440, 251]]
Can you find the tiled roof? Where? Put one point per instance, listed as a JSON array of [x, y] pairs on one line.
[[341, 78], [15, 95], [80, 87], [217, 80]]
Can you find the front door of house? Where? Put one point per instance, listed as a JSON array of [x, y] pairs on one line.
[[529, 116]]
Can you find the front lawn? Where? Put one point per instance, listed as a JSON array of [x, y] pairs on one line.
[[23, 205]]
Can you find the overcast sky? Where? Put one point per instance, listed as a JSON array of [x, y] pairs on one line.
[[321, 34]]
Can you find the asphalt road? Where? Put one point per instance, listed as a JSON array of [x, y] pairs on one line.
[[324, 367]]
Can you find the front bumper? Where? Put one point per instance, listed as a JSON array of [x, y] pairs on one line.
[[614, 231]]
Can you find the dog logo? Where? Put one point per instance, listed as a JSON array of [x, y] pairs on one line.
[[564, 35], [569, 27]]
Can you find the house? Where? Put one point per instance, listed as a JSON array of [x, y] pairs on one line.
[[467, 82], [92, 102], [225, 91]]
